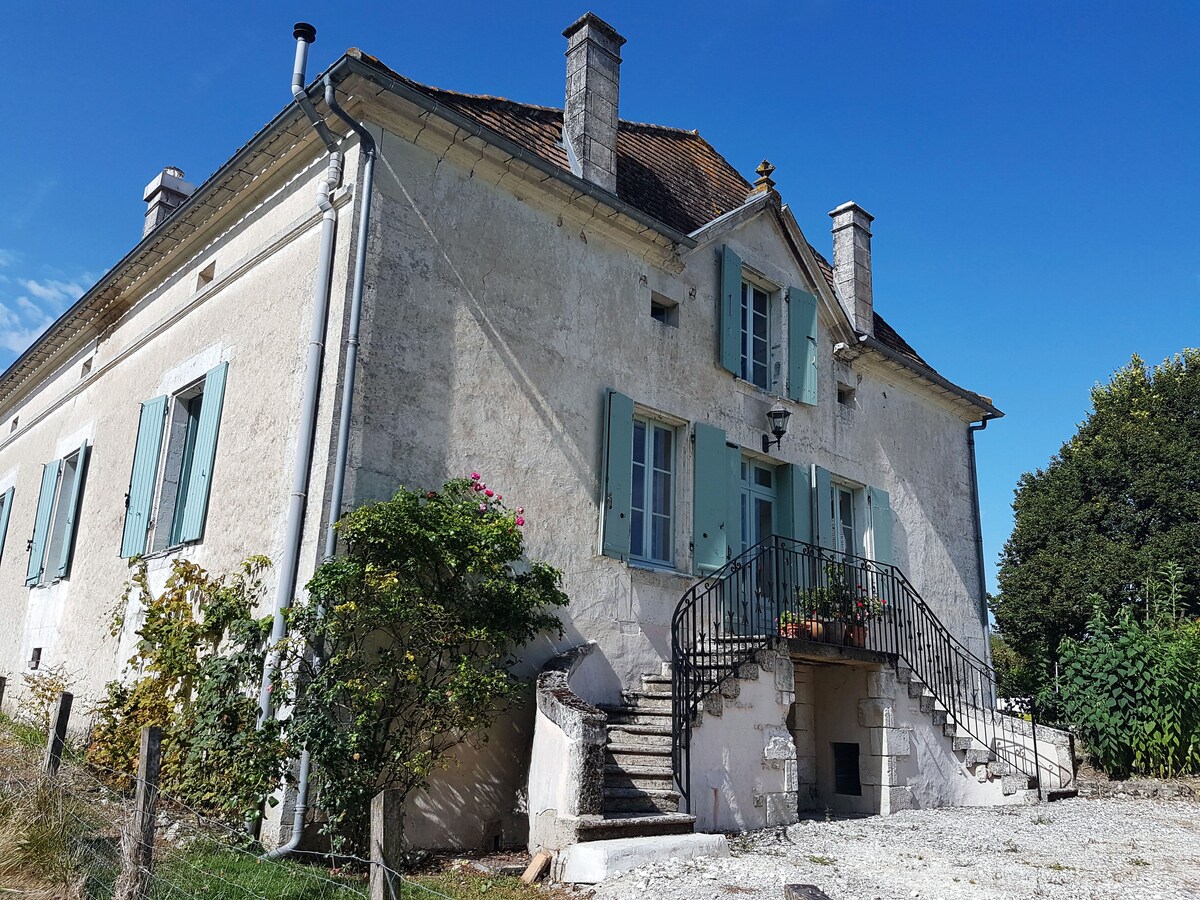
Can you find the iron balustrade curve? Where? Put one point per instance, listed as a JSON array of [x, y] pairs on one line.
[[782, 587]]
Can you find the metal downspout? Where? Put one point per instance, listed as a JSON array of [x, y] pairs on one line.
[[367, 144], [979, 560], [306, 432]]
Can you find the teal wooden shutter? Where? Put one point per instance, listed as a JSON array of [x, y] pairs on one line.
[[63, 563], [881, 524], [795, 502], [4, 514], [41, 521], [731, 310], [802, 346], [712, 531], [204, 454], [733, 490], [616, 496], [822, 497], [139, 502]]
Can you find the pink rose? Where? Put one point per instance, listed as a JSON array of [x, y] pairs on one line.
[[483, 507], [520, 510], [499, 496], [475, 476], [520, 521], [489, 492]]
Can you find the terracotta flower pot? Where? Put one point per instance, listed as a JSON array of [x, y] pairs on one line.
[[856, 635], [812, 630]]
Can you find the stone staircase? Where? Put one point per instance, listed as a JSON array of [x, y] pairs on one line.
[[979, 759], [639, 789]]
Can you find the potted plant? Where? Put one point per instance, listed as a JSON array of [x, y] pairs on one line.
[[789, 624], [862, 606]]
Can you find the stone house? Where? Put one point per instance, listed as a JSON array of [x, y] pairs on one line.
[[712, 429]]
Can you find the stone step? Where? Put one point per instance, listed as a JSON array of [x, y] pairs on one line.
[[657, 735], [938, 716], [643, 778], [656, 684], [950, 730], [659, 767], [904, 674], [631, 825], [660, 750], [624, 715], [964, 742], [630, 799], [656, 757], [980, 756], [1010, 784], [916, 688], [647, 700], [598, 861]]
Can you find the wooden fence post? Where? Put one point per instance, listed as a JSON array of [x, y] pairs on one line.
[[138, 856], [386, 814], [58, 732]]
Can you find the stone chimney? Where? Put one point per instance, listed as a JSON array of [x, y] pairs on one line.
[[590, 114], [163, 196], [852, 264]]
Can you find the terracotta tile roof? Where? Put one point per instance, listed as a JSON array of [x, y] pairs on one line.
[[672, 175]]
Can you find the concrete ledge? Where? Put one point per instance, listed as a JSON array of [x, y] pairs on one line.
[[594, 861]]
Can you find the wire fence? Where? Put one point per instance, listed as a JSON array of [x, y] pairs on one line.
[[75, 834]]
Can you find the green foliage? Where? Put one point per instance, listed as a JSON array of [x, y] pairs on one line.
[[42, 688], [1120, 499], [1016, 677], [839, 601], [414, 630], [1131, 687], [199, 657]]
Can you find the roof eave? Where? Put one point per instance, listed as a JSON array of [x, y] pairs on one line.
[[982, 404]]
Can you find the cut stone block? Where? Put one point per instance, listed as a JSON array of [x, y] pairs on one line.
[[594, 861], [875, 713]]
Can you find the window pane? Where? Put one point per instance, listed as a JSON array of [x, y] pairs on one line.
[[662, 449], [638, 500], [763, 476], [660, 539], [763, 514], [637, 528], [662, 494], [639, 442]]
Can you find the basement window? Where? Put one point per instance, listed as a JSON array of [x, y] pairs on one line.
[[13, 426], [35, 659], [845, 770], [664, 309], [87, 368], [204, 279], [846, 396]]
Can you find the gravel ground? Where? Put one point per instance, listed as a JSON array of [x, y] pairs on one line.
[[1082, 849]]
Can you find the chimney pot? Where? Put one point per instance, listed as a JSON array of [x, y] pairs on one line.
[[163, 196], [590, 112], [852, 264]]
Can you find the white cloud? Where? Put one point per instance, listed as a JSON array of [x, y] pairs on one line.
[[29, 305], [7, 257]]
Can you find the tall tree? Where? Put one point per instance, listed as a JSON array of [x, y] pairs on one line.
[[1118, 501]]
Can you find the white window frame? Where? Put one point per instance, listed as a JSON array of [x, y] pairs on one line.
[[176, 456], [57, 527], [774, 331], [644, 505]]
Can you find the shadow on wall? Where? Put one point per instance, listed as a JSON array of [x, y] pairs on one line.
[[477, 801]]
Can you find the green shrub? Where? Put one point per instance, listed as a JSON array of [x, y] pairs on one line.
[[1131, 687], [414, 630]]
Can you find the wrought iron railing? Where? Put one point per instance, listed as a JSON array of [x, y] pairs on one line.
[[786, 588]]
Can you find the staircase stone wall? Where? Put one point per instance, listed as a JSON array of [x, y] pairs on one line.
[[744, 765]]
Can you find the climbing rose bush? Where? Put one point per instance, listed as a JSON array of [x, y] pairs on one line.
[[407, 644]]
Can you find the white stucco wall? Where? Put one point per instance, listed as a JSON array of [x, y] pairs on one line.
[[255, 315]]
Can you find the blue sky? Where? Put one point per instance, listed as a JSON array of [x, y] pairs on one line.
[[1032, 166]]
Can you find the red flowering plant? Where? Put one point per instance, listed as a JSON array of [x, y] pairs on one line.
[[862, 605]]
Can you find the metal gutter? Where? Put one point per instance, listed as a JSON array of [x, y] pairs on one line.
[[871, 343]]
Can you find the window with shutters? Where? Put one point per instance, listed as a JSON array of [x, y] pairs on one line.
[[52, 544], [167, 504], [757, 359], [652, 504]]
